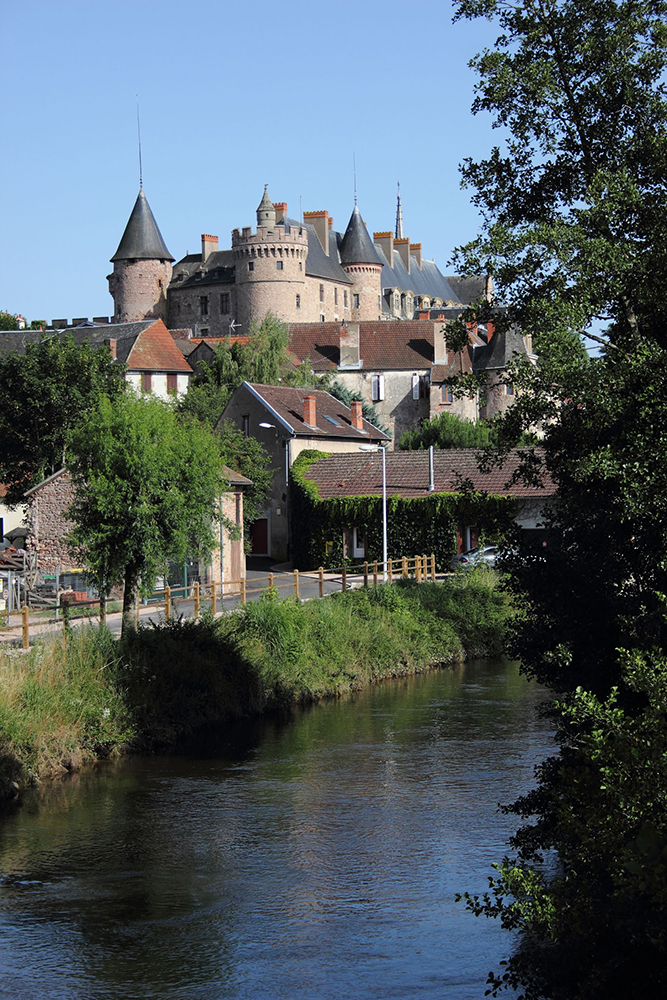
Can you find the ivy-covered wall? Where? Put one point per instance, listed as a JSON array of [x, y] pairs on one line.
[[414, 525]]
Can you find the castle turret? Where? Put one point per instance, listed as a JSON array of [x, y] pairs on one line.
[[361, 262], [270, 268], [266, 212], [141, 268]]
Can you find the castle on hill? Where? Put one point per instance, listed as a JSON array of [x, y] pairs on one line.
[[303, 272]]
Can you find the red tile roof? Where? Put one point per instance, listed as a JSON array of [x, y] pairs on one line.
[[334, 419], [408, 475], [155, 350], [383, 346]]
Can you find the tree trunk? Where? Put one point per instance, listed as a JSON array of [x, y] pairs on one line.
[[130, 597], [103, 609]]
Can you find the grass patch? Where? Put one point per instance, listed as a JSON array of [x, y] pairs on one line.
[[162, 682]]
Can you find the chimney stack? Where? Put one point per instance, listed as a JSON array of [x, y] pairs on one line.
[[320, 223], [439, 344], [113, 345], [357, 417], [416, 251], [403, 247], [310, 411], [209, 245], [386, 241], [281, 212], [349, 345]]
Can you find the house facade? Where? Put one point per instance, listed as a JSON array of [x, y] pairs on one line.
[[287, 421]]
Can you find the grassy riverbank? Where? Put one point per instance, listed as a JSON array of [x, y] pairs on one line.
[[101, 698]]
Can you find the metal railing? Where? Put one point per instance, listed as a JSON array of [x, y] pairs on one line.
[[212, 596]]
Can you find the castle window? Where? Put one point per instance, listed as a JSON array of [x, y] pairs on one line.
[[146, 382], [321, 293], [355, 301], [279, 265], [203, 305], [251, 265], [322, 320], [224, 303], [301, 265], [298, 301], [335, 296], [172, 384], [446, 395], [345, 298], [245, 424], [509, 388]]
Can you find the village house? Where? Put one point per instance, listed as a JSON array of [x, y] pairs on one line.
[[47, 527], [443, 495], [287, 421]]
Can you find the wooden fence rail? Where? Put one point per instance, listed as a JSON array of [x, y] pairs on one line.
[[421, 567]]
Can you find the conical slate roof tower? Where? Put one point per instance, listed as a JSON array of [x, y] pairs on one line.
[[141, 268], [142, 239], [356, 246]]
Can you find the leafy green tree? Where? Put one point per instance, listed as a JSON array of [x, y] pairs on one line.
[[8, 321], [44, 392], [448, 431], [573, 202], [247, 456], [147, 484]]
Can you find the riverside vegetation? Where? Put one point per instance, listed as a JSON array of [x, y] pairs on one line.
[[99, 697]]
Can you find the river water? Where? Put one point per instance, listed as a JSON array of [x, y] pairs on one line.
[[315, 859]]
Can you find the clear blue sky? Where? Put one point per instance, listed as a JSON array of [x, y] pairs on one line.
[[232, 96]]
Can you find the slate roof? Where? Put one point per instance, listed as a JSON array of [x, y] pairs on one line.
[[468, 288], [405, 346], [334, 419], [219, 269], [408, 475], [424, 280], [500, 350], [142, 240], [357, 247]]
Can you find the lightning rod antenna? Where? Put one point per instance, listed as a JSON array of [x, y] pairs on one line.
[[354, 172], [141, 173]]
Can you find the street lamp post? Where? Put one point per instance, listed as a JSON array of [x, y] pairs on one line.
[[377, 447]]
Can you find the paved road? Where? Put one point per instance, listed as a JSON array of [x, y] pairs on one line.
[[256, 582]]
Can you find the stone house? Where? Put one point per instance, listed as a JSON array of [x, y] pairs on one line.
[[287, 421], [47, 527]]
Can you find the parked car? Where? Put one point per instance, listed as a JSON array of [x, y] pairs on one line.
[[476, 557]]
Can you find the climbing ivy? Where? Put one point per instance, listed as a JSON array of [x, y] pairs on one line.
[[415, 525]]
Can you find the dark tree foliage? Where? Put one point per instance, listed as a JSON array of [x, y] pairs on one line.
[[44, 393], [247, 456], [574, 203], [8, 321]]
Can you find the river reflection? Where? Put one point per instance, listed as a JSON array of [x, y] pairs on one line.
[[312, 860]]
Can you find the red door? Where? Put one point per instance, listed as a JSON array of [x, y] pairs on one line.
[[259, 537]]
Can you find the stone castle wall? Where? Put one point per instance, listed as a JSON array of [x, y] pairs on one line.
[[48, 525], [139, 289]]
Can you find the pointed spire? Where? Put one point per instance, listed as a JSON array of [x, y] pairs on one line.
[[356, 246], [142, 240], [398, 235], [266, 213]]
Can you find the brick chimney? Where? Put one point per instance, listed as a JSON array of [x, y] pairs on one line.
[[357, 418], [403, 247], [310, 411], [281, 212], [209, 245], [349, 345], [386, 243], [320, 223], [113, 344], [416, 251]]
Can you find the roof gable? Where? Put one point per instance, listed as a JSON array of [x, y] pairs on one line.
[[154, 349]]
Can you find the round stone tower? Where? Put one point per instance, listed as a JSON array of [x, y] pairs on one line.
[[270, 268], [141, 268], [361, 262]]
